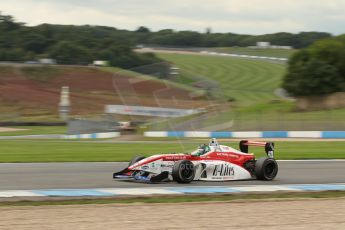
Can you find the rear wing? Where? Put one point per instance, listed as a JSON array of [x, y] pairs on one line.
[[269, 146]]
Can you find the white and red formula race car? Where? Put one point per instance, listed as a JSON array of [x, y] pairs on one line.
[[212, 162]]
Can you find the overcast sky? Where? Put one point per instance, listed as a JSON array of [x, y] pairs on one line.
[[237, 16]]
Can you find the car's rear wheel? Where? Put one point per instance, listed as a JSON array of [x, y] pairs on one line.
[[266, 168], [183, 171], [135, 160]]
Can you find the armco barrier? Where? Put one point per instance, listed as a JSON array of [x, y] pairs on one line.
[[253, 134], [93, 135]]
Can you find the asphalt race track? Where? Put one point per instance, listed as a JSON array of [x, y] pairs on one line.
[[24, 176]]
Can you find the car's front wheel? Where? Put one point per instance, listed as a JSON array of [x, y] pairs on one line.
[[183, 171], [266, 168]]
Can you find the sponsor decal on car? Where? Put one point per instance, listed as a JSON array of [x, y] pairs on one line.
[[175, 158], [223, 170], [167, 165], [227, 155]]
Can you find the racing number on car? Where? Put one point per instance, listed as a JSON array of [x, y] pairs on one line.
[[223, 170]]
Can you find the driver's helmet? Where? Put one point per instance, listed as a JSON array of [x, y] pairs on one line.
[[203, 149]]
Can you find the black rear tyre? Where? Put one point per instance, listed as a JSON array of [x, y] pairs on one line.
[[183, 171], [135, 160], [266, 168]]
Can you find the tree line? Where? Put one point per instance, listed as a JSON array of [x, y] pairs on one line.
[[70, 44], [318, 69]]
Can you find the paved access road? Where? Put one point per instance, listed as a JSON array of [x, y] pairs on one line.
[[24, 176]]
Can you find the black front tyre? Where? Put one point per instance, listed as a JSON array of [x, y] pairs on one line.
[[266, 168], [183, 171]]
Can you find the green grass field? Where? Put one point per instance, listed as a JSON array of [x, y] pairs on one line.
[[279, 116], [252, 84], [36, 130], [281, 53], [246, 81], [88, 151]]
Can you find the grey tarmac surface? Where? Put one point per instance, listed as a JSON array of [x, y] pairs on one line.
[[24, 176]]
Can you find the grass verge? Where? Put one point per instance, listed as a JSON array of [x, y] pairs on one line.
[[179, 199], [35, 130], [94, 151]]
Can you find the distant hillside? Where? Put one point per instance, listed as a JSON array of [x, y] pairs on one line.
[[243, 81], [34, 91]]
